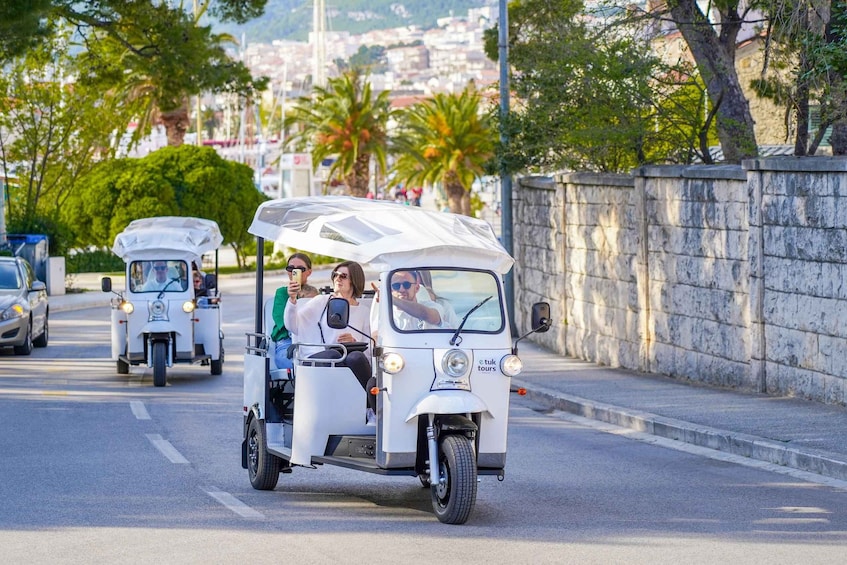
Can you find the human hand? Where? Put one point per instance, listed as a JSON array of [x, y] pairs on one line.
[[293, 291], [376, 291], [346, 337]]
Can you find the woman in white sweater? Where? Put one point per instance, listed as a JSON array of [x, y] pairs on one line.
[[308, 322]]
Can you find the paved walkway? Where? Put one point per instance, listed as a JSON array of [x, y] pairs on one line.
[[804, 435]]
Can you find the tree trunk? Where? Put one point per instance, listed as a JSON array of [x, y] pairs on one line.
[[456, 195], [176, 123], [359, 178], [715, 58]]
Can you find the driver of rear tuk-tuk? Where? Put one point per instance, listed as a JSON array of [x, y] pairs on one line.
[[157, 278]]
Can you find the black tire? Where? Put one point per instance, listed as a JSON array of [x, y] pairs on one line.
[[453, 499], [123, 367], [26, 347], [41, 341], [160, 359], [262, 467], [218, 364]]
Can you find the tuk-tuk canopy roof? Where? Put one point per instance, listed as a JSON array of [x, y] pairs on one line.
[[385, 235], [167, 237]]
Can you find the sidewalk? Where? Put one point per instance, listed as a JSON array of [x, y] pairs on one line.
[[795, 433]]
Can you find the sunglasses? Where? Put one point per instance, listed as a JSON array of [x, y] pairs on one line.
[[340, 276], [292, 268], [161, 268], [405, 285]]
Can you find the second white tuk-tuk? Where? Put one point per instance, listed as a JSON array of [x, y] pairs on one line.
[[160, 318], [442, 390]]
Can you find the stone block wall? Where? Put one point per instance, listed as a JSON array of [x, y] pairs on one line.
[[798, 234], [728, 275], [696, 300], [600, 260]]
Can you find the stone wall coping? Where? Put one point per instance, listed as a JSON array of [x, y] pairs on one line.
[[727, 172], [797, 164], [543, 182], [599, 179]]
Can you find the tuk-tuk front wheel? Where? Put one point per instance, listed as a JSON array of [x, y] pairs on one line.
[[454, 495], [160, 360], [262, 466]]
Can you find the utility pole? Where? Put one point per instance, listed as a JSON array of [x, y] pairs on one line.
[[505, 177], [198, 108]]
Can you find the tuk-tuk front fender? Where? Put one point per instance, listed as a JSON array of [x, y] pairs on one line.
[[153, 328], [448, 402]]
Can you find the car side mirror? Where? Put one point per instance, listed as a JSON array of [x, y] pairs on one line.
[[106, 284], [540, 317], [38, 286], [211, 282], [337, 313]]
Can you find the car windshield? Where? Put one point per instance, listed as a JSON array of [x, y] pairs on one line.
[[9, 276], [158, 276], [453, 293]]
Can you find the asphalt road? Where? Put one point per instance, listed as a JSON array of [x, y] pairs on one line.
[[99, 468]]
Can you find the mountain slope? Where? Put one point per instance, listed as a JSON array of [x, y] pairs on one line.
[[292, 19]]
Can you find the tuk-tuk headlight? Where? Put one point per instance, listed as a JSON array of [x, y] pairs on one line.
[[392, 363], [511, 365], [455, 363], [188, 306], [127, 307]]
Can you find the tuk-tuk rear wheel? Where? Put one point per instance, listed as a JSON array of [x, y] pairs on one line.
[[123, 367], [454, 497], [262, 466]]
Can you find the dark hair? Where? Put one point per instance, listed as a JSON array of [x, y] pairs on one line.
[[357, 276], [303, 257]]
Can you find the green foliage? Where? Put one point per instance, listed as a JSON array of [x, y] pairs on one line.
[[173, 181], [447, 140], [94, 261], [51, 133], [346, 122], [589, 98]]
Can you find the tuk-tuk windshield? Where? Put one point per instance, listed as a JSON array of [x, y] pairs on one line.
[[158, 275], [452, 293]]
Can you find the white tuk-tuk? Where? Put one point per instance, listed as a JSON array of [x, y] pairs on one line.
[[159, 318], [442, 391]]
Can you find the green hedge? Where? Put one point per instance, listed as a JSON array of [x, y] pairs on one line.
[[94, 261]]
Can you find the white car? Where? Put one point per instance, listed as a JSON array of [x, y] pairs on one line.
[[23, 306]]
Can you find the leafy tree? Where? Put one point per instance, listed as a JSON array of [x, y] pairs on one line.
[[153, 53], [344, 121], [173, 181], [589, 98], [446, 139], [52, 131]]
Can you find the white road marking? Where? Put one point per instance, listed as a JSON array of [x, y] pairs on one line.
[[168, 450], [702, 451], [139, 410], [235, 505]]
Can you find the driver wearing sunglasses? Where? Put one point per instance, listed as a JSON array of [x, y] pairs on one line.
[[409, 312]]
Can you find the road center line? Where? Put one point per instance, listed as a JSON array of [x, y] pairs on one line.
[[235, 505], [139, 410], [168, 450]]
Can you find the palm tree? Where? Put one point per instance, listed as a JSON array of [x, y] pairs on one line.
[[343, 121], [445, 139]]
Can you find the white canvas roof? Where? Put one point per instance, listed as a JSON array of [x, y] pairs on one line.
[[167, 237], [385, 235]]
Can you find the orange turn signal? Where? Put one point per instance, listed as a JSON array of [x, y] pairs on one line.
[[521, 392], [374, 390]]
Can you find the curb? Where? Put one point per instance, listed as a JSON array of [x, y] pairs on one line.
[[752, 447]]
